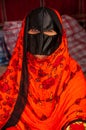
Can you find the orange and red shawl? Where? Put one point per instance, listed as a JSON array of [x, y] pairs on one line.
[[56, 90]]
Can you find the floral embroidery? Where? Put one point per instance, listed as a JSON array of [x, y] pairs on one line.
[[5, 115], [1, 97], [14, 63], [78, 101], [57, 62], [4, 87], [41, 73], [67, 67], [33, 70], [43, 117], [57, 98], [48, 83], [10, 101]]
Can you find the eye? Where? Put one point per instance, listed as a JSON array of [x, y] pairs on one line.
[[50, 32], [33, 31]]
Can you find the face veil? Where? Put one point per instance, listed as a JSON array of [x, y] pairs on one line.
[[43, 19]]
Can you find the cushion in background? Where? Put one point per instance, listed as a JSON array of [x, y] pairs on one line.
[[76, 36], [3, 53], [11, 30]]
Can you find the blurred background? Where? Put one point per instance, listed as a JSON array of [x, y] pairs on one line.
[[11, 10]]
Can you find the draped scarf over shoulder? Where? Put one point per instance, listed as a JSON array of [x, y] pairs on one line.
[[54, 96]]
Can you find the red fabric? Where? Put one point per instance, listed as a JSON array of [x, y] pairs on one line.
[[77, 126], [12, 128], [64, 96], [10, 82]]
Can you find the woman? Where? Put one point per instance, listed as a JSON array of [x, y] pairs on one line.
[[43, 87]]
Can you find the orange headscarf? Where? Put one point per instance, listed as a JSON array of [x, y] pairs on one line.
[[56, 91]]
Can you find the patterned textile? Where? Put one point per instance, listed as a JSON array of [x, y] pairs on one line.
[[11, 30], [76, 36], [3, 54], [55, 83]]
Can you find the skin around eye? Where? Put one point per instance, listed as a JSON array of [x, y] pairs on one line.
[[50, 32], [33, 31]]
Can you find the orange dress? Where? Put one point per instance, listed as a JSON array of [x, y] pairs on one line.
[[56, 91]]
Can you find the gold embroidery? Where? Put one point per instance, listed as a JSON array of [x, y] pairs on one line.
[[41, 86], [51, 96], [84, 125], [68, 128], [79, 122]]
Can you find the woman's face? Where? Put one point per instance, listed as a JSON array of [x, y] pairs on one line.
[[43, 32], [49, 33]]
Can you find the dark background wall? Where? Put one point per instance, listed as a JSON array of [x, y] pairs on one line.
[[17, 9]]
